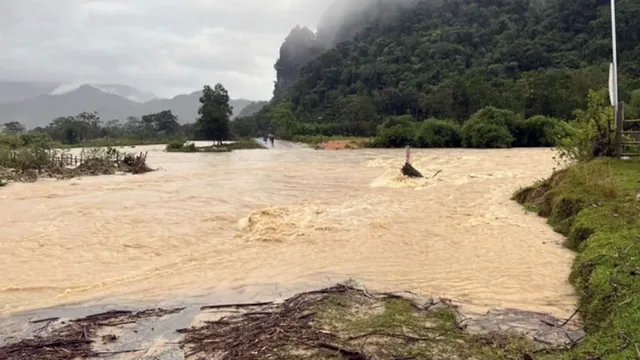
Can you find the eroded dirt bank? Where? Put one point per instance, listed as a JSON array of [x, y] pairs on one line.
[[340, 322]]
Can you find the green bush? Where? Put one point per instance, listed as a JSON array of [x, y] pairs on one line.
[[396, 131], [26, 151], [490, 127], [588, 134], [435, 133], [179, 146], [539, 131]]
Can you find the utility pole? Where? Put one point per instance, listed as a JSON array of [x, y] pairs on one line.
[[615, 55], [613, 83]]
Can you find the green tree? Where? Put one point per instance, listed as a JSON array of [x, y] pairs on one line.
[[215, 111], [490, 127], [281, 116], [359, 115], [539, 131], [589, 133], [396, 131], [434, 133], [163, 123], [13, 127]]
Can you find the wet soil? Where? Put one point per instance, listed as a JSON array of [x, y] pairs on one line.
[[340, 322]]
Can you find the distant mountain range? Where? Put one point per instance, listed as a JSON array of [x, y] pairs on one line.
[[36, 104]]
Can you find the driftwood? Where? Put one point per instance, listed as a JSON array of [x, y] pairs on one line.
[[264, 332], [410, 171]]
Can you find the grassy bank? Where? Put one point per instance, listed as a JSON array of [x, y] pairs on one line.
[[239, 144], [596, 205]]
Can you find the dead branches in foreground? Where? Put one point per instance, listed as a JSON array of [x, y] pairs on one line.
[[350, 323], [261, 333], [289, 330]]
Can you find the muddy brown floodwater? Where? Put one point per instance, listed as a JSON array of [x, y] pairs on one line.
[[205, 222]]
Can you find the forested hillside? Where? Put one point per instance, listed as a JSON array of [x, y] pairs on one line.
[[449, 59]]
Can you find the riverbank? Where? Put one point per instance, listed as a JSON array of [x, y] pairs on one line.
[[333, 142], [596, 205], [340, 322]]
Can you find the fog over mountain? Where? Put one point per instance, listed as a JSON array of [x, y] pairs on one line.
[[36, 104]]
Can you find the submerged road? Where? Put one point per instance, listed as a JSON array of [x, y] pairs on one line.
[[280, 144]]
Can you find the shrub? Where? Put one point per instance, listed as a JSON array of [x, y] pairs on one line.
[[396, 131], [179, 146], [25, 151], [435, 133], [539, 131], [589, 134], [490, 127]]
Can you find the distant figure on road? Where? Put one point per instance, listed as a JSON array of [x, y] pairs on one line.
[[272, 138], [265, 138]]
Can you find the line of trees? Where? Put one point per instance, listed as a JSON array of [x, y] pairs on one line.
[[212, 124]]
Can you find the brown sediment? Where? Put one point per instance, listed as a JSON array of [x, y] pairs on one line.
[[340, 144]]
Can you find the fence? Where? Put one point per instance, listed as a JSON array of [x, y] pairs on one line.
[[72, 160]]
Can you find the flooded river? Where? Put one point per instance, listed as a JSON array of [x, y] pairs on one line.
[[204, 222]]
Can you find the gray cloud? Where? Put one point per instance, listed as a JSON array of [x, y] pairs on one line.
[[164, 46]]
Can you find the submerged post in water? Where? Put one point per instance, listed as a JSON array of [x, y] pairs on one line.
[[408, 169], [408, 156]]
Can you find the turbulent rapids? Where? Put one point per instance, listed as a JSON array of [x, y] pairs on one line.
[[206, 222]]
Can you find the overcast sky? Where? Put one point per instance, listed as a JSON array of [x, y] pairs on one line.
[[164, 46]]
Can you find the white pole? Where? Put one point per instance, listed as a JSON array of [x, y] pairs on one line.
[[615, 55]]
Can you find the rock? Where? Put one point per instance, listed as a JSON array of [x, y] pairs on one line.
[[542, 329]]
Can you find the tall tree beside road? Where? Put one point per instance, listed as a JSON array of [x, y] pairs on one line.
[[215, 111]]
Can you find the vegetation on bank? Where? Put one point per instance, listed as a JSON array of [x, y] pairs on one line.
[[595, 203], [27, 157], [239, 144]]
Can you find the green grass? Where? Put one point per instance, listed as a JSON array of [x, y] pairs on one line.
[[238, 144], [596, 205], [393, 319]]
